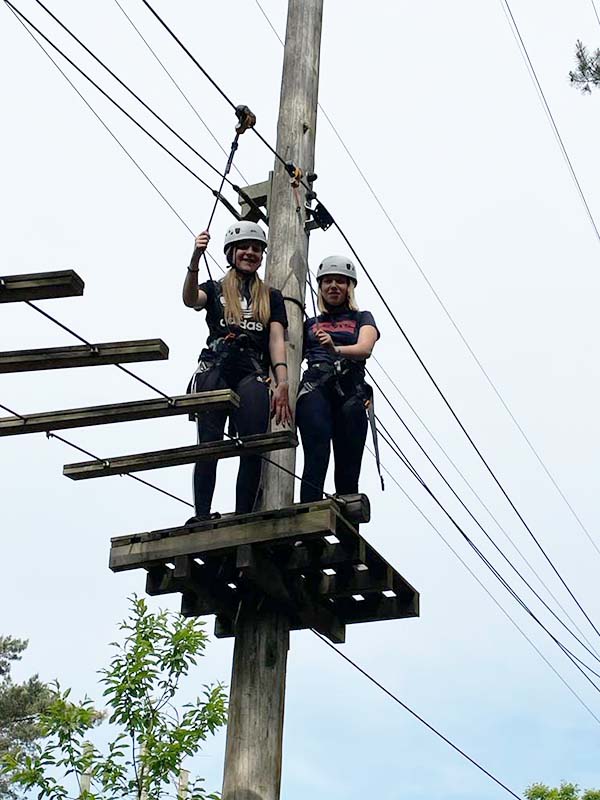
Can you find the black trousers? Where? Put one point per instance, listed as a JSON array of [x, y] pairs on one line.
[[325, 418], [252, 416]]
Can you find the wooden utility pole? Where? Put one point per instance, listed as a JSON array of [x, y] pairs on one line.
[[255, 727]]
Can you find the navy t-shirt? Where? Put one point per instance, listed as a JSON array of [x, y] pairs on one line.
[[344, 329], [257, 334]]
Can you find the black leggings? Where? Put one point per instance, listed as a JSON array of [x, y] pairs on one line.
[[324, 417], [252, 416]]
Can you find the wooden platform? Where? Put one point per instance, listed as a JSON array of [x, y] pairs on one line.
[[83, 356], [208, 451], [118, 412], [40, 286], [308, 559]]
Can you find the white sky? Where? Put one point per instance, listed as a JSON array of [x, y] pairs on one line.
[[434, 101]]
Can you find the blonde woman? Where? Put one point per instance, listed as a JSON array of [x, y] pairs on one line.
[[246, 321], [333, 396]]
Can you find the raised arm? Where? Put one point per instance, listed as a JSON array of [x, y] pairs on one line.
[[193, 297]]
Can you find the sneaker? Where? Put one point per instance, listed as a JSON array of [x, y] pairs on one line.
[[202, 518]]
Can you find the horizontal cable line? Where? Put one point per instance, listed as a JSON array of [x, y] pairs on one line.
[[110, 99], [112, 134], [51, 435], [10, 411], [483, 530], [131, 92], [533, 73], [575, 660], [480, 500], [177, 86], [91, 346], [423, 721], [496, 602], [462, 427], [215, 84]]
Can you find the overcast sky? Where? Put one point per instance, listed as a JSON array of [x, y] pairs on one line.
[[434, 101]]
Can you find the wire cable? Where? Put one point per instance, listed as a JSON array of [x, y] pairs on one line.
[[51, 435], [128, 88], [111, 132], [177, 86], [500, 607], [423, 721], [462, 427], [109, 98], [595, 11], [484, 531], [575, 660], [524, 52]]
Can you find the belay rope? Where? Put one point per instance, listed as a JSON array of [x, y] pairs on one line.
[[246, 120]]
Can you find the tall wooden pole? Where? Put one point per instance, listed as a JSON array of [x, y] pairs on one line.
[[257, 697]]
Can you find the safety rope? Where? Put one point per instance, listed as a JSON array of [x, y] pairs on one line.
[[246, 120]]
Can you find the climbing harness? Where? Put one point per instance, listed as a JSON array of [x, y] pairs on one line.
[[331, 373]]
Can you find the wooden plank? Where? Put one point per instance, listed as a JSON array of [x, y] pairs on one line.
[[376, 608], [83, 356], [251, 445], [40, 286], [118, 412], [318, 555], [135, 552], [346, 583]]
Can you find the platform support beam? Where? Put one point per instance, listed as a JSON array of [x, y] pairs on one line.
[[256, 703]]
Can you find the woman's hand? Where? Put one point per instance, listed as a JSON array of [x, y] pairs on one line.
[[202, 241], [280, 404], [325, 340]]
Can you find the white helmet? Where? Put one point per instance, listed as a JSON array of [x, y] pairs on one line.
[[244, 231], [337, 265]]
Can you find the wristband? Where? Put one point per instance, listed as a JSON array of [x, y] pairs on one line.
[[193, 270], [279, 364]]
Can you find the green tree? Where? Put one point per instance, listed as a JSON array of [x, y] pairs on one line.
[[20, 705], [149, 736], [587, 73], [566, 791]]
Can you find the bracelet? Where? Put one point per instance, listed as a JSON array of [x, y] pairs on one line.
[[193, 270], [279, 364]]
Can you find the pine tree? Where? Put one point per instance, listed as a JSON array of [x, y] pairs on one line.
[[587, 73], [20, 705]]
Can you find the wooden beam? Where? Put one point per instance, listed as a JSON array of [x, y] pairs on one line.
[[40, 286], [118, 412], [144, 550], [251, 445], [83, 356]]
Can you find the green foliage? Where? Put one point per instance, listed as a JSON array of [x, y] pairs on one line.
[[587, 73], [20, 705], [566, 791], [153, 737]]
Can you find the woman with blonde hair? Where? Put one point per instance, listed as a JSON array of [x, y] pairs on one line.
[[333, 397], [246, 321]]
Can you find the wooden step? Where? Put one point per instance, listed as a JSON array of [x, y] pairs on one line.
[[83, 356], [40, 286], [209, 451], [119, 412]]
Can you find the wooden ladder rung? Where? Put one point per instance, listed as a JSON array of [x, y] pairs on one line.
[[40, 286], [83, 356], [119, 412], [249, 445]]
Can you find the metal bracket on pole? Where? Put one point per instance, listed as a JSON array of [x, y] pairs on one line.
[[253, 199]]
